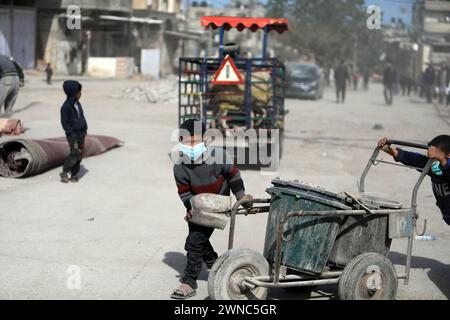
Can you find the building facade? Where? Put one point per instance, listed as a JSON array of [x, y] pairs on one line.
[[432, 23], [18, 20], [69, 34], [101, 30]]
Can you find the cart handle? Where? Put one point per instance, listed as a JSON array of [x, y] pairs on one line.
[[375, 154], [235, 211], [408, 144], [415, 216]]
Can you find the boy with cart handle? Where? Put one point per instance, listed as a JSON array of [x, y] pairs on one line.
[[201, 170], [439, 150]]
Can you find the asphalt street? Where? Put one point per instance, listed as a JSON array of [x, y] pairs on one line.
[[122, 226]]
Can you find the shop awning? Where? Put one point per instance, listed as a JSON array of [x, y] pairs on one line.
[[254, 24]]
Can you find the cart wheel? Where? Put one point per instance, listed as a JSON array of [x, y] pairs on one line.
[[370, 276], [213, 272], [227, 274]]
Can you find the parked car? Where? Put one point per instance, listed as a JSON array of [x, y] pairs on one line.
[[305, 81]]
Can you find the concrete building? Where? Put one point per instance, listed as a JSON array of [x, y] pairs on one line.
[[104, 38], [18, 30], [164, 43], [432, 25], [104, 30], [168, 6], [402, 50]]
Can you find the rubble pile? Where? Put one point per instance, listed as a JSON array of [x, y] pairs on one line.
[[158, 91]]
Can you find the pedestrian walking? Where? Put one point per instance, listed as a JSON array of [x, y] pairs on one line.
[[341, 77], [355, 82], [388, 83], [428, 81], [49, 73], [11, 79], [366, 80]]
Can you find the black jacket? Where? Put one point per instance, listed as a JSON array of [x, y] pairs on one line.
[[341, 75], [72, 123], [441, 184], [389, 77]]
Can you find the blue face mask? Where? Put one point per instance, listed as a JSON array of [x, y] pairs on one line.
[[436, 168], [193, 152]]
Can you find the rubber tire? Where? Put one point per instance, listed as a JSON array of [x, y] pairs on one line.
[[226, 266], [357, 269], [213, 272]]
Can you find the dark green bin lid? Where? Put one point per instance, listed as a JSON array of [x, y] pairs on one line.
[[296, 185], [309, 191]]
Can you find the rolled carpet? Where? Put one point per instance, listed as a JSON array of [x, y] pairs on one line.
[[24, 158]]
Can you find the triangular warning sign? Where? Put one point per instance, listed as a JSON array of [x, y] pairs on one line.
[[228, 73]]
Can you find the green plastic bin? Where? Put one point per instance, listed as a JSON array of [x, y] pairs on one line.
[[311, 238]]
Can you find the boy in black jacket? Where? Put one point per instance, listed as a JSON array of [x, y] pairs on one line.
[[439, 150], [75, 127]]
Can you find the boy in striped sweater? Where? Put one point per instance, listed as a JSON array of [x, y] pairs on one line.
[[201, 170]]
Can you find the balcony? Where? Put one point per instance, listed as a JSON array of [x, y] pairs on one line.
[[437, 27], [437, 6]]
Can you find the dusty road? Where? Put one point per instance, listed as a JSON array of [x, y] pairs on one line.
[[122, 225]]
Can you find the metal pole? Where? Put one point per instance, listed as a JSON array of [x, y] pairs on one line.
[[414, 217], [265, 41], [362, 181], [222, 39]]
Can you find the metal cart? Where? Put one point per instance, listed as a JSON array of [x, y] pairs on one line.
[[315, 237]]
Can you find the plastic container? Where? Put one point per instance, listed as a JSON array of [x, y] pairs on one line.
[[426, 238]]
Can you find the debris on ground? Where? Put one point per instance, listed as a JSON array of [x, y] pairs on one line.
[[378, 127], [156, 91]]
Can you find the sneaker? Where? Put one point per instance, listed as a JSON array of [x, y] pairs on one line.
[[64, 177]]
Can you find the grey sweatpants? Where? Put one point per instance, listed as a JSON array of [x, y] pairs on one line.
[[9, 90]]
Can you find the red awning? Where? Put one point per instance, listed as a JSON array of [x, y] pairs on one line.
[[254, 24]]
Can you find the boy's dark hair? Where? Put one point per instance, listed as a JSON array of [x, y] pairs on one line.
[[442, 142], [192, 126]]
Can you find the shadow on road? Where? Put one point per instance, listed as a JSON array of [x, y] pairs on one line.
[[28, 106], [177, 261], [83, 172], [438, 272]]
